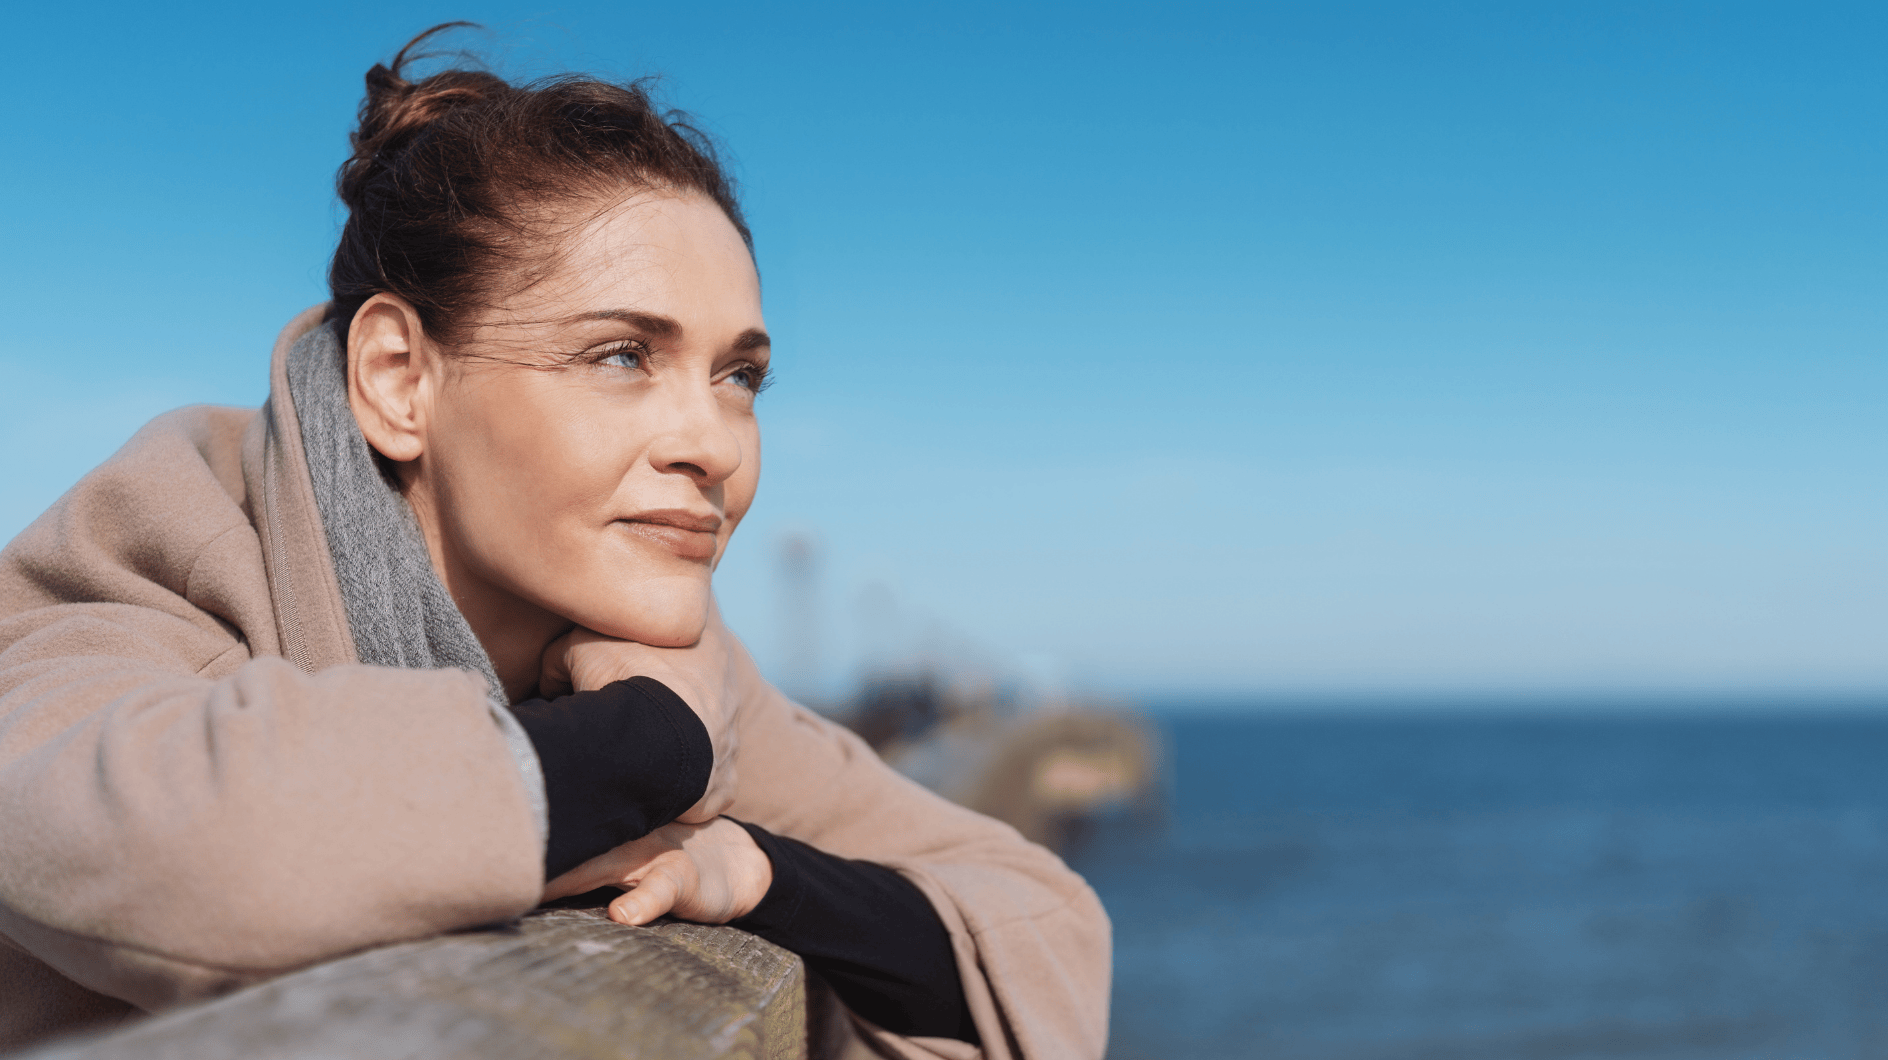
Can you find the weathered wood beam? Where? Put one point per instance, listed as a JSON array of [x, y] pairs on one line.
[[560, 985]]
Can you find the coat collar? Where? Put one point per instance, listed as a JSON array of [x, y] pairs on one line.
[[307, 595]]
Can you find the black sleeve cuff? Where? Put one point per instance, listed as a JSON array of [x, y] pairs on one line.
[[618, 763], [869, 932]]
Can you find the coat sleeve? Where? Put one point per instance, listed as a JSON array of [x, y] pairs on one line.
[[177, 817], [1031, 939], [170, 836]]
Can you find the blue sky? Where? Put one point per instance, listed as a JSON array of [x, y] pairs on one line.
[[1164, 350]]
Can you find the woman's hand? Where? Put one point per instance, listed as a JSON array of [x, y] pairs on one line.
[[709, 873], [704, 674]]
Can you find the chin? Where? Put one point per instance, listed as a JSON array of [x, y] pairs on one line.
[[659, 619]]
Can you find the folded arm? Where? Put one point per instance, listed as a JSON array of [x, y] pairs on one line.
[[171, 833], [621, 764]]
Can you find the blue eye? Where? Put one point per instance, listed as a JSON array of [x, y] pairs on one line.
[[749, 377], [628, 355]]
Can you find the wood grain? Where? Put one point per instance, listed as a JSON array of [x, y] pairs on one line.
[[559, 985]]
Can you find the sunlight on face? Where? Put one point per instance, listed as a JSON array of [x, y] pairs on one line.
[[593, 443]]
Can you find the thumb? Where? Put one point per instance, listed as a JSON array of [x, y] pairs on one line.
[[653, 896], [554, 666]]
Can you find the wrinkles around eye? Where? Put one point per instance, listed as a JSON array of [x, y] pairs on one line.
[[633, 355]]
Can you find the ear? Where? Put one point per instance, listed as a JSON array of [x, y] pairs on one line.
[[387, 386]]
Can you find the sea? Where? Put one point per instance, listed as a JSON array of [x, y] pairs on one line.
[[1566, 884]]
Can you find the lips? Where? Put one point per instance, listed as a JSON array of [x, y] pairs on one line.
[[689, 535]]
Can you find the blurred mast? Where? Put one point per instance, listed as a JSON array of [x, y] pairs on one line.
[[799, 618]]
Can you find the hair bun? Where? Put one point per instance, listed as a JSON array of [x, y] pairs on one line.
[[395, 110]]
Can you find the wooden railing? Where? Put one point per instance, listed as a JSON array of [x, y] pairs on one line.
[[573, 985], [560, 985]]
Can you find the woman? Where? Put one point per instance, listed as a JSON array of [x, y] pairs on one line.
[[429, 639]]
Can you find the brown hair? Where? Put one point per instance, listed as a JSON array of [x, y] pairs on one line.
[[450, 174]]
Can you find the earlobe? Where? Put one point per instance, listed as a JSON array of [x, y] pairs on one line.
[[385, 387]]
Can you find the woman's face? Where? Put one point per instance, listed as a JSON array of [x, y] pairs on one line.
[[590, 447]]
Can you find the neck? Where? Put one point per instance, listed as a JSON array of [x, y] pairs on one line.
[[513, 631]]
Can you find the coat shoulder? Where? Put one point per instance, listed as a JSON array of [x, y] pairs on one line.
[[163, 524]]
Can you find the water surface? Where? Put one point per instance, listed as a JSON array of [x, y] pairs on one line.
[[1656, 886]]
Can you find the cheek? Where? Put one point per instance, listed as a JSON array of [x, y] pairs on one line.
[[737, 493], [744, 483], [530, 483], [528, 479]]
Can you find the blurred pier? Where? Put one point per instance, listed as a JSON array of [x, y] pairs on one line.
[[947, 714], [1052, 772]]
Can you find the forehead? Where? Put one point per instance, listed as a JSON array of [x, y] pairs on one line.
[[677, 255]]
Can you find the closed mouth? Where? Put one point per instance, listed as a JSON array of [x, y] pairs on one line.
[[690, 535]]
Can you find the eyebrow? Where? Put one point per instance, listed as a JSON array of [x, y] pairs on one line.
[[667, 327], [653, 323]]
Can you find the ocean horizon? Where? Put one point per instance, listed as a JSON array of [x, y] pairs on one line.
[[1477, 702]]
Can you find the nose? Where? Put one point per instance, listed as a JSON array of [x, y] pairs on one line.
[[696, 440]]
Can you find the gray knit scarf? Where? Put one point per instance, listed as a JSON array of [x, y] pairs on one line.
[[399, 613]]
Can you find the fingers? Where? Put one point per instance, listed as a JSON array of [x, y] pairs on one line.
[[706, 873], [662, 885], [564, 886], [617, 867], [658, 873], [604, 870]]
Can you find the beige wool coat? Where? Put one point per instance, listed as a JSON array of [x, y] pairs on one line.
[[201, 787]]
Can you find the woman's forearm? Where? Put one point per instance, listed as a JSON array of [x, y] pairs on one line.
[[619, 762], [1031, 940], [869, 932]]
